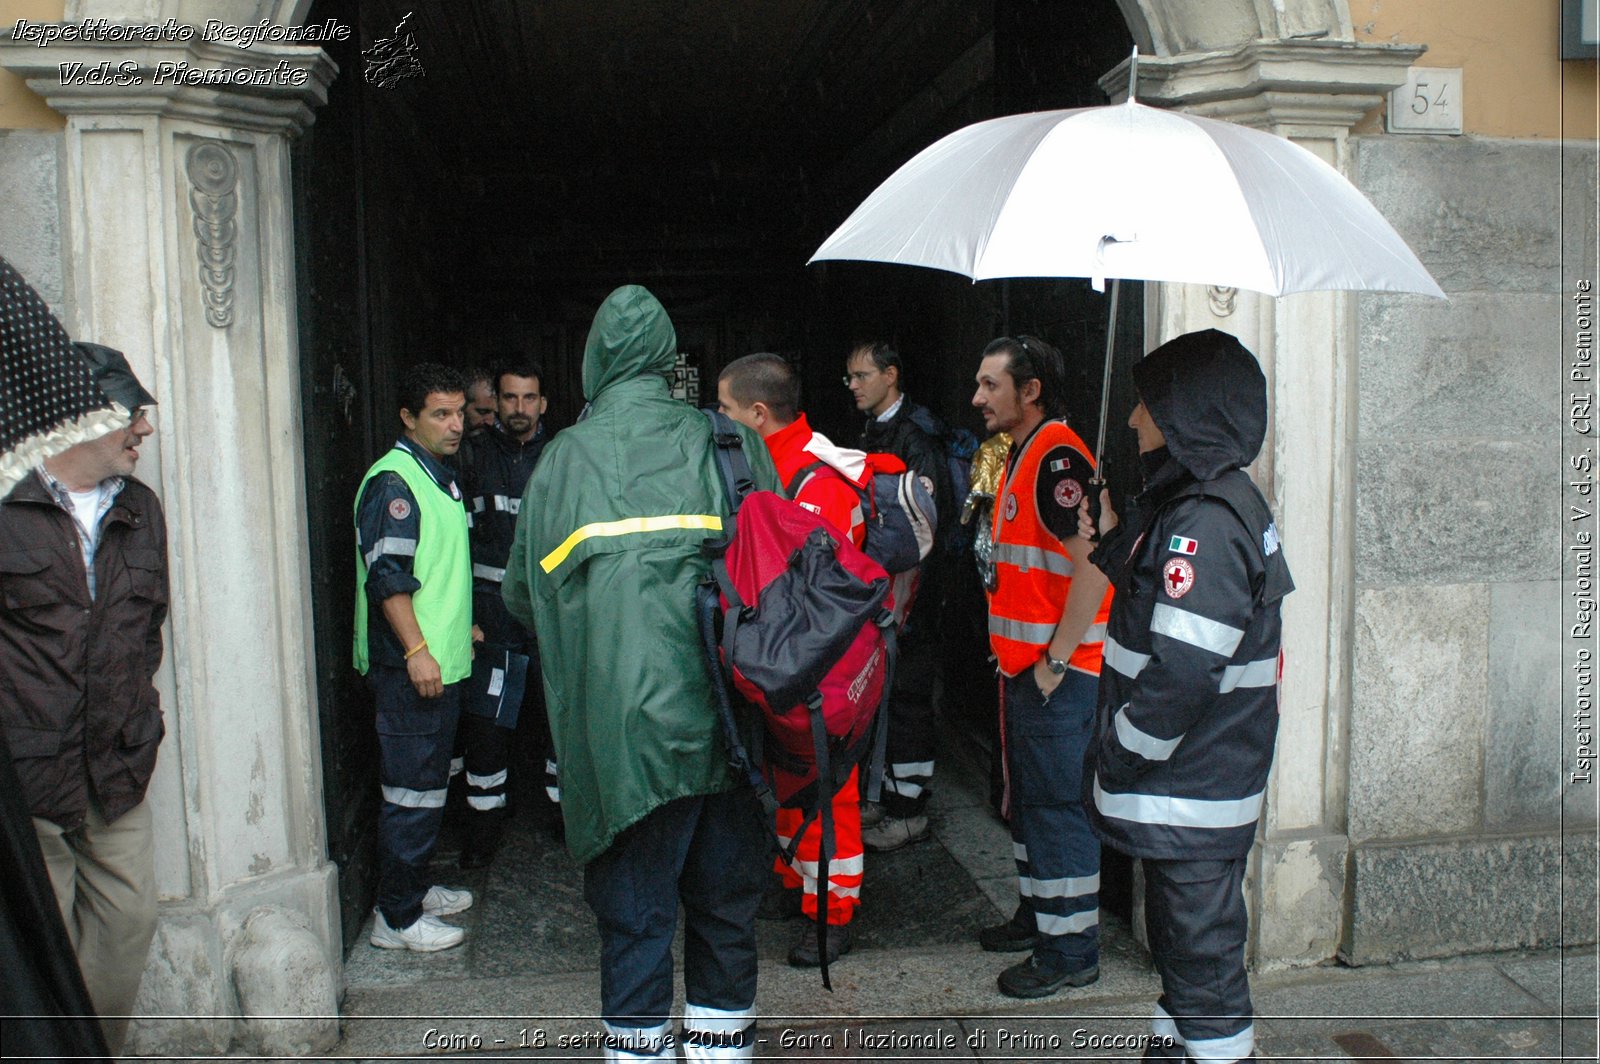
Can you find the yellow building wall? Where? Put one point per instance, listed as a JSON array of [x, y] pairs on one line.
[[1514, 82], [20, 106]]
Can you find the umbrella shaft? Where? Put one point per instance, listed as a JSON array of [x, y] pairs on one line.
[[1105, 379]]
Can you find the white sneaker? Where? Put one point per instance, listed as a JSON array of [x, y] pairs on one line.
[[445, 901], [428, 935], [893, 832]]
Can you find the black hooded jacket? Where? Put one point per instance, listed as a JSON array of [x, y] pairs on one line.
[[1188, 709]]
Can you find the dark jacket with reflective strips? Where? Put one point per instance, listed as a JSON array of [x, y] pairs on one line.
[[1188, 711], [76, 696], [1188, 707], [906, 436], [498, 470]]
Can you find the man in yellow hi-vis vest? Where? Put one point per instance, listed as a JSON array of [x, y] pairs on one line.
[[413, 642]]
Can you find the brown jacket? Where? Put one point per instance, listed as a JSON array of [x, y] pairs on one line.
[[76, 698]]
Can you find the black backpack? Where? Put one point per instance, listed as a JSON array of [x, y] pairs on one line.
[[959, 446]]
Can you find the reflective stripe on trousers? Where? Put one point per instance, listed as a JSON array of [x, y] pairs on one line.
[[1058, 856], [415, 736], [848, 864]]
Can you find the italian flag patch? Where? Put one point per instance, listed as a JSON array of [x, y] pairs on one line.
[[1180, 545]]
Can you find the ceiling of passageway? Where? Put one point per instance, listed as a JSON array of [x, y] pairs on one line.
[[580, 76], [570, 134], [711, 88]]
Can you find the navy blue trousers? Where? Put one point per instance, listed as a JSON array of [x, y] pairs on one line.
[[709, 853], [415, 737], [1057, 854], [1195, 915]]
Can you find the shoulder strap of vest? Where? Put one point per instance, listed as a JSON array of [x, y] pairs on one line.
[[733, 468]]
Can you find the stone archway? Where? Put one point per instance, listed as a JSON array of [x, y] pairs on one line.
[[157, 183]]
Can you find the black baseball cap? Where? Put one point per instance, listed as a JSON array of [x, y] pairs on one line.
[[115, 377]]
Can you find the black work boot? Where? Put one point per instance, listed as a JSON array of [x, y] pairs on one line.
[[1015, 935], [779, 902], [481, 838], [1042, 974], [805, 953]]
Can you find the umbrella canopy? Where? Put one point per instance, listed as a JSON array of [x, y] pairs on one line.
[[1129, 191], [48, 398]]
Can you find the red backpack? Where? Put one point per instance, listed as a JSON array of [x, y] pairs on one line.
[[807, 637]]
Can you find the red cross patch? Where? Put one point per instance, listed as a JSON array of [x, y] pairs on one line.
[[399, 509], [1069, 493], [1177, 576], [1011, 505]]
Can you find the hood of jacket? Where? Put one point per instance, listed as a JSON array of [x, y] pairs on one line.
[[631, 337], [1208, 396]]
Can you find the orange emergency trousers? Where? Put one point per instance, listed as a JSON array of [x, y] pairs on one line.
[[843, 509], [1033, 571]]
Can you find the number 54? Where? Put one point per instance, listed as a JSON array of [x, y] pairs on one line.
[[1419, 99]]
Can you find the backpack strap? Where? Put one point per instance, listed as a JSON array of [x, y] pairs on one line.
[[738, 757], [880, 742], [827, 844], [732, 466], [800, 477]]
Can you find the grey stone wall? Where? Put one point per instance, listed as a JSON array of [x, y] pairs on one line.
[[1456, 811], [30, 227]]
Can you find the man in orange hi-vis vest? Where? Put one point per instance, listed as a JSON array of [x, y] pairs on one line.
[[1047, 615]]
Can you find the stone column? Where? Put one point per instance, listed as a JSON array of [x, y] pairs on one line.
[[1312, 92], [177, 241]]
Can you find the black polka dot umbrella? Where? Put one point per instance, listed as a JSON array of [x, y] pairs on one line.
[[48, 400]]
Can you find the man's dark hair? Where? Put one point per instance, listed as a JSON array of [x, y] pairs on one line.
[[471, 378], [765, 378], [883, 356], [1029, 358], [518, 367], [425, 378]]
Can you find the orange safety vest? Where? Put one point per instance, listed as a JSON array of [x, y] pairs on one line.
[[1033, 571]]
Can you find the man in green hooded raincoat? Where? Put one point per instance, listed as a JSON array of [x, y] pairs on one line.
[[604, 568]]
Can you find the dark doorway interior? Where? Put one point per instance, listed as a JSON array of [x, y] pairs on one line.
[[554, 150]]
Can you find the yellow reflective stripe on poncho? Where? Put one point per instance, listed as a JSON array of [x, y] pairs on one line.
[[627, 526]]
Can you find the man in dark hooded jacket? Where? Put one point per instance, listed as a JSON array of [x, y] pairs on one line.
[[1188, 704], [604, 569]]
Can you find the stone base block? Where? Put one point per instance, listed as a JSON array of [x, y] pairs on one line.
[[1300, 909], [288, 993], [259, 971], [1447, 897], [186, 1002]]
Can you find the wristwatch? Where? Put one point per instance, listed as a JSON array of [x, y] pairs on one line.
[[1055, 665]]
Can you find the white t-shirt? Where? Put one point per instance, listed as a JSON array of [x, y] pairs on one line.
[[86, 505]]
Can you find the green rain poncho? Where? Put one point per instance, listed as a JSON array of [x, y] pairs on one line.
[[604, 568]]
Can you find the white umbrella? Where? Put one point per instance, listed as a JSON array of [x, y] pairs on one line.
[[1129, 191]]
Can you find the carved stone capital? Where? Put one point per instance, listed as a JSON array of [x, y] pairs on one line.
[[1306, 84], [264, 88]]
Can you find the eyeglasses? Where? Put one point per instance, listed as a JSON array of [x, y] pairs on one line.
[[860, 376]]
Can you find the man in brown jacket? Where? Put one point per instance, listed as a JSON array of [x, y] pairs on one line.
[[83, 594]]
